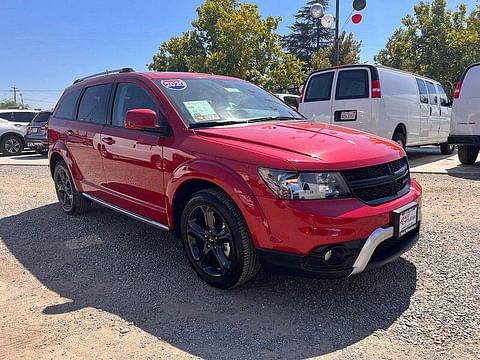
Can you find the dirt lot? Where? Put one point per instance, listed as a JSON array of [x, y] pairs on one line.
[[104, 286]]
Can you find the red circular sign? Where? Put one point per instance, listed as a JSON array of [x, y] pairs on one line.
[[357, 18]]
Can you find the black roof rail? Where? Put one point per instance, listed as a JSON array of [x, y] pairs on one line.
[[122, 70]]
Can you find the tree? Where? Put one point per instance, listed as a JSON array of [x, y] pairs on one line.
[[7, 103], [231, 38], [307, 36], [435, 42], [349, 53]]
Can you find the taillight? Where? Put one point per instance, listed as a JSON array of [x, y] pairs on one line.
[[44, 127], [302, 90], [456, 93], [376, 91]]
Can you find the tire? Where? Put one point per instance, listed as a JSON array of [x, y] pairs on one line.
[[467, 154], [71, 201], [217, 241], [399, 138], [11, 145], [447, 149]]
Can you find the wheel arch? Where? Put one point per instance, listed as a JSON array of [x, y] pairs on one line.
[[60, 152], [401, 128], [13, 133]]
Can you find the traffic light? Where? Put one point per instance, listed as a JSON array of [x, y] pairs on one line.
[[359, 5]]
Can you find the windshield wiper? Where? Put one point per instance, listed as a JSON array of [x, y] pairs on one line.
[[214, 123], [273, 118]]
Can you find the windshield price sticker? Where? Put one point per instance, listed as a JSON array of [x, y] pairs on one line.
[[201, 110], [175, 84]]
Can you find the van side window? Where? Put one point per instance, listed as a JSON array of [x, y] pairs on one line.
[[93, 105], [128, 97], [432, 93], [352, 84], [65, 109], [319, 87], [423, 91], [443, 96]]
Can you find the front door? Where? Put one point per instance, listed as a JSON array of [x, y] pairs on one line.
[[133, 159]]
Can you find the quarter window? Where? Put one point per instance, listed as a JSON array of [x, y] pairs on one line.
[[6, 116], [66, 108], [320, 87], [432, 93], [128, 97], [93, 105], [422, 88], [352, 84]]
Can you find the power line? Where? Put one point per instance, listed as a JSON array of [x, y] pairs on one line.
[[40, 90]]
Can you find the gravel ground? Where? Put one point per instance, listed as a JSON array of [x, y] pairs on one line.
[[105, 286]]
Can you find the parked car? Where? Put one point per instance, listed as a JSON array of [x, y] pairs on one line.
[[36, 137], [465, 127], [238, 175], [289, 99], [13, 127], [409, 109]]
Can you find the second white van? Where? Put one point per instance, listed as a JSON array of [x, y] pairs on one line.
[[409, 109]]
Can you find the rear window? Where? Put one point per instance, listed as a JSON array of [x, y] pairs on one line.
[[42, 117], [93, 105], [352, 84], [422, 88], [291, 100], [23, 117], [66, 108], [432, 93], [443, 96], [319, 87]]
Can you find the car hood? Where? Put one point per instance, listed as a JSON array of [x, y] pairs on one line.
[[308, 145]]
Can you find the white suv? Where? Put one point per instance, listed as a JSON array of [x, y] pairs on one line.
[[13, 127]]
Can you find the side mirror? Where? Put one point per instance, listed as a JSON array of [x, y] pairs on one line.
[[140, 119]]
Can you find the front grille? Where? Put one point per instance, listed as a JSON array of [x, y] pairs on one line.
[[379, 184]]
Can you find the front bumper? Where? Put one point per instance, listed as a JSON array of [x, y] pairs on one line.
[[464, 140], [361, 255]]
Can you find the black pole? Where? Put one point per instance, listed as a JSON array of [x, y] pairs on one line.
[[318, 34], [337, 25]]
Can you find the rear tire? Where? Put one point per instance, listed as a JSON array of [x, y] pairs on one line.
[[11, 145], [217, 241], [447, 149], [71, 201], [467, 154], [399, 138]]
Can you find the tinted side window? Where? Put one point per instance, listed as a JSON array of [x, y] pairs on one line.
[[6, 116], [93, 105], [319, 87], [66, 108], [423, 91], [128, 97], [432, 93], [291, 100], [352, 84], [24, 117], [443, 96]]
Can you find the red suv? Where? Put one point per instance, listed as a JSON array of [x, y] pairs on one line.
[[239, 176]]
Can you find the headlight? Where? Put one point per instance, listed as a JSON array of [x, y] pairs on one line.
[[305, 186]]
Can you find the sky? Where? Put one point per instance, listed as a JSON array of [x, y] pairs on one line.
[[48, 44]]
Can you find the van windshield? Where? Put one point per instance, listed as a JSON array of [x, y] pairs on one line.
[[214, 101]]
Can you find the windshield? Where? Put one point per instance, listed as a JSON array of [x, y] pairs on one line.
[[213, 102]]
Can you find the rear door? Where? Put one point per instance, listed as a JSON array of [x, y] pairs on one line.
[[133, 159], [352, 106], [445, 113], [434, 112], [424, 111], [317, 99]]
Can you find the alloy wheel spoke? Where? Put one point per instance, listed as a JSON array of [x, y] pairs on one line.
[[221, 258], [209, 216]]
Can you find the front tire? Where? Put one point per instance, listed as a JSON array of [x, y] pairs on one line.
[[217, 241], [11, 145], [71, 201], [447, 149], [399, 138], [467, 154]]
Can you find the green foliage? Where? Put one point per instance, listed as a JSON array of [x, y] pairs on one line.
[[7, 103], [231, 38], [349, 53], [307, 36], [435, 42]]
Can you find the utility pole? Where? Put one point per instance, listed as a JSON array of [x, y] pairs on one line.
[[14, 90], [337, 29]]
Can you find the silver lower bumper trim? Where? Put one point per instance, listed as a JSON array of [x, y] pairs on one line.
[[377, 237]]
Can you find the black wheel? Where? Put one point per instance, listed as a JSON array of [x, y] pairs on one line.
[[399, 138], [217, 241], [71, 201], [447, 149], [467, 154], [11, 145]]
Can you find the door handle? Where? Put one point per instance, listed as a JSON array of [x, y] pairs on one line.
[[440, 111], [108, 140], [430, 111], [70, 132]]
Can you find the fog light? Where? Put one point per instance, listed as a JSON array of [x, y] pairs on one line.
[[334, 255]]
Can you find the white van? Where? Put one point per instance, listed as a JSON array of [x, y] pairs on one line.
[[409, 109], [465, 126]]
